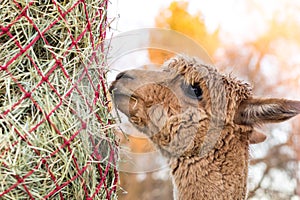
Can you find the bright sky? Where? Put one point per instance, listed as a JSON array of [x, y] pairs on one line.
[[239, 21], [230, 15], [242, 19]]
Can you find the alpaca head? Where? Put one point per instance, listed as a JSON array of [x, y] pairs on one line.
[[185, 108]]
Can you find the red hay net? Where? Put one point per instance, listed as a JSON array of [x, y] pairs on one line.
[[96, 176]]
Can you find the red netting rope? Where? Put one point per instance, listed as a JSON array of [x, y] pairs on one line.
[[99, 88]]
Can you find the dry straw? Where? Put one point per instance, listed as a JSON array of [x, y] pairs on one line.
[[56, 138]]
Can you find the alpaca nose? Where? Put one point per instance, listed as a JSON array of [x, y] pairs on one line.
[[123, 75]]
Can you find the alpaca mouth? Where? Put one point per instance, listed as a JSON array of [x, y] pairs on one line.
[[124, 101], [116, 93]]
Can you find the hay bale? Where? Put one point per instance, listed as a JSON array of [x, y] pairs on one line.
[[56, 139]]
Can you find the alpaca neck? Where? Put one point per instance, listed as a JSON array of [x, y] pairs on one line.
[[222, 174]]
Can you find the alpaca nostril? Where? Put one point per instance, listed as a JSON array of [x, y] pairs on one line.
[[123, 75], [120, 75]]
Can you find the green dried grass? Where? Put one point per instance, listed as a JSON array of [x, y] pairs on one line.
[[20, 157]]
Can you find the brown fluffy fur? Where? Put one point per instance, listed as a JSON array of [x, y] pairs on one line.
[[206, 139]]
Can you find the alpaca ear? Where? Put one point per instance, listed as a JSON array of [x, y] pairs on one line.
[[260, 111]]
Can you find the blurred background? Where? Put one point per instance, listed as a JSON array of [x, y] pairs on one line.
[[257, 41]]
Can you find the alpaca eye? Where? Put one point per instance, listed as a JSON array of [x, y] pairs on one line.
[[193, 91]]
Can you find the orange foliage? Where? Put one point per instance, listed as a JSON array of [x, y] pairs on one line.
[[288, 29], [176, 17], [139, 145]]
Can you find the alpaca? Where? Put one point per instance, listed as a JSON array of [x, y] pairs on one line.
[[201, 120]]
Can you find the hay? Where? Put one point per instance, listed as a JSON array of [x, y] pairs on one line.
[[56, 136]]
